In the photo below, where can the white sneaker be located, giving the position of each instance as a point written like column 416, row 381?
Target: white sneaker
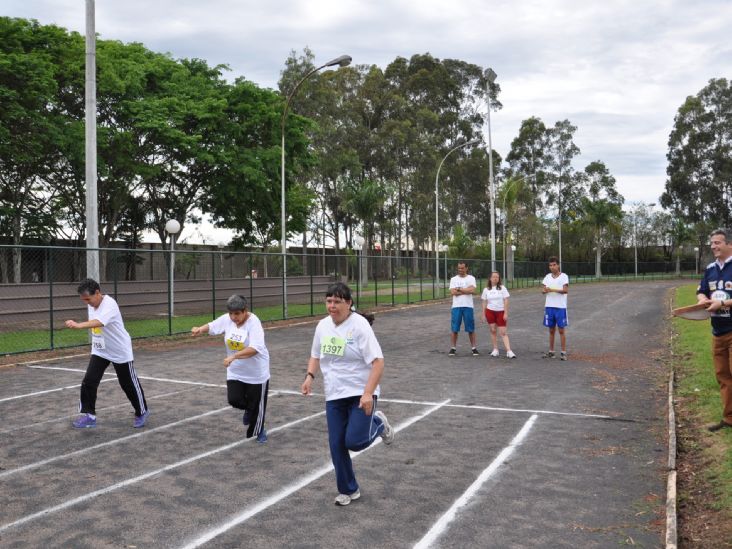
column 510, row 354
column 387, row 435
column 495, row 352
column 345, row 499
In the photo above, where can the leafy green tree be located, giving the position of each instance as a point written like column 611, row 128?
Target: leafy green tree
column 30, row 127
column 244, row 194
column 699, row 184
column 530, row 156
column 460, row 244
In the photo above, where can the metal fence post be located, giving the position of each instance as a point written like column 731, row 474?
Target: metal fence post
column 376, row 288
column 311, row 294
column 213, row 286
column 49, row 253
column 251, row 284
column 170, row 295
column 421, row 297
column 114, row 270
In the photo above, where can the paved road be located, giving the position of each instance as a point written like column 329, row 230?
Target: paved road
column 570, row 480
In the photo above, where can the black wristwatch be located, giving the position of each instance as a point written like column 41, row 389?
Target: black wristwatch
column 309, row 374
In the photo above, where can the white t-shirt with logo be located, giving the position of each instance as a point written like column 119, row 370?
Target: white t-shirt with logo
column 111, row 341
column 255, row 369
column 554, row 299
column 466, row 281
column 346, row 352
column 494, row 298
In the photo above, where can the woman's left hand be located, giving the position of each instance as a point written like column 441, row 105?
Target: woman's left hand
column 367, row 403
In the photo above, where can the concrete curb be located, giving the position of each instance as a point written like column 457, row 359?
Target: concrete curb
column 671, row 510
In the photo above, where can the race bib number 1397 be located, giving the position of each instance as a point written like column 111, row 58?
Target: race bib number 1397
column 335, row 346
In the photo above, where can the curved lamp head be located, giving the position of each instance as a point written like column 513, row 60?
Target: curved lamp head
column 172, row 227
column 490, row 75
column 342, row 61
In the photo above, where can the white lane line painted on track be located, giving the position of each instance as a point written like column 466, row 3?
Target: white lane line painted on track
column 291, row 489
column 144, row 476
column 103, row 409
column 444, row 521
column 36, row 393
column 41, row 463
column 150, row 378
column 62, row 369
column 391, row 400
column 496, row 409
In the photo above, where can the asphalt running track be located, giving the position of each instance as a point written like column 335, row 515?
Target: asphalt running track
column 489, row 452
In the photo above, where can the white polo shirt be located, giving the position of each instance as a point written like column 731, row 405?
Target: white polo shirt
column 466, row 281
column 255, row 369
column 494, row 298
column 554, row 299
column 346, row 352
column 111, row 341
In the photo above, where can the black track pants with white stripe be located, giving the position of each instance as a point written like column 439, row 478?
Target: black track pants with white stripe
column 126, row 376
column 251, row 397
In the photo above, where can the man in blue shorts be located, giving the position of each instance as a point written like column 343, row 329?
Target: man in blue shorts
column 462, row 288
column 556, row 287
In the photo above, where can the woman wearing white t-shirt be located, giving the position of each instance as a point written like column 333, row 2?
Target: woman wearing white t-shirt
column 345, row 350
column 495, row 305
column 247, row 362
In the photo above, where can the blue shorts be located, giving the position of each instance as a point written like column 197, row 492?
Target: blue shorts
column 554, row 316
column 464, row 315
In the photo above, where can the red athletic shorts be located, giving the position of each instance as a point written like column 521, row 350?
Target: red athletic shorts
column 495, row 317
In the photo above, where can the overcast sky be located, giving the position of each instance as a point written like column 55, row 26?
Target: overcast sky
column 618, row 69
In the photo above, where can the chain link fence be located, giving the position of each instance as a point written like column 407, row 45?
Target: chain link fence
column 38, row 285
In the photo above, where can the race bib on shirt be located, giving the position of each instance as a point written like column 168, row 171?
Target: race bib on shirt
column 235, row 343
column 97, row 339
column 718, row 295
column 335, row 346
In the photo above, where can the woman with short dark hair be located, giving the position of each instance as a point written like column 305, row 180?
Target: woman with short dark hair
column 345, row 350
column 247, row 362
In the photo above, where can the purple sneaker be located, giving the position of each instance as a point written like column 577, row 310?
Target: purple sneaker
column 245, row 418
column 84, row 421
column 140, row 420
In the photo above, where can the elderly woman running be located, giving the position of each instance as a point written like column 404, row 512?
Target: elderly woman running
column 346, row 351
column 247, row 362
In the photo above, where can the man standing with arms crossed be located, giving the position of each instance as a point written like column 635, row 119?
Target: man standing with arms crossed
column 556, row 287
column 462, row 288
column 715, row 290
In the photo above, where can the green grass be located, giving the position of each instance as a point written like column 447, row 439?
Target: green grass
column 378, row 292
column 698, row 386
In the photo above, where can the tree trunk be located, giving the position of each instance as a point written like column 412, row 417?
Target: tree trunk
column 4, row 273
column 598, row 260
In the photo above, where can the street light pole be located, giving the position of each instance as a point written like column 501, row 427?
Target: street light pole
column 437, row 204
column 358, row 243
column 490, row 75
column 172, row 227
column 90, row 117
column 342, row 61
column 635, row 242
